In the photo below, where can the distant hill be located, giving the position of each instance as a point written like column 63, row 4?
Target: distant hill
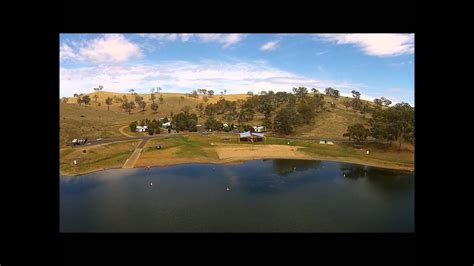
column 93, row 121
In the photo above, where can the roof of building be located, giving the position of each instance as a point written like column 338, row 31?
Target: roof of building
column 245, row 134
column 258, row 134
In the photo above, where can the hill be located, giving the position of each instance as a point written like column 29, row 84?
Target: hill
column 94, row 121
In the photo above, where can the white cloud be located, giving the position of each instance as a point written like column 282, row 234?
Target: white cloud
column 183, row 76
column 109, row 48
column 375, row 44
column 269, row 46
column 226, row 40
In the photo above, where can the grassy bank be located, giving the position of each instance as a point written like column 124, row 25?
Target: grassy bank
column 95, row 158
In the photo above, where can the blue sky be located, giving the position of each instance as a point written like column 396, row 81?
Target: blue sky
column 375, row 64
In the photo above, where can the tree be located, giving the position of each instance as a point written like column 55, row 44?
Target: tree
column 357, row 133
column 161, row 98
column 200, row 109
column 395, row 123
column 133, row 126
column 64, row 99
column 152, row 97
column 76, row 95
column 213, row 124
column 283, row 122
column 132, row 91
column 142, row 105
column 194, row 94
column 95, row 97
column 301, row 93
column 108, row 101
column 86, row 99
column 225, row 91
column 154, row 107
column 210, row 93
column 378, row 102
column 386, row 102
column 314, row 90
column 250, row 93
column 205, row 99
column 101, row 87
column 185, row 121
column 79, row 100
column 332, row 93
column 306, row 112
column 356, row 102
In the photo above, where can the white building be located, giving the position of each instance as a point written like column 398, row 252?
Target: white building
column 141, row 128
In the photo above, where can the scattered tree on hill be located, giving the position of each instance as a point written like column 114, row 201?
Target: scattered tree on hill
column 64, row 99
column 356, row 102
column 79, row 100
column 210, row 93
column 250, row 93
column 108, row 101
column 154, row 107
column 194, row 94
column 347, row 104
column 76, row 95
column 386, row 102
column 284, row 120
column 128, row 106
column 306, row 112
column 101, row 87
column 200, row 109
column 140, row 102
column 95, row 97
column 395, row 123
column 378, row 102
column 161, row 98
column 152, row 97
column 301, row 93
column 332, row 93
column 86, row 99
column 314, row 90
column 225, row 91
column 357, row 133
column 132, row 91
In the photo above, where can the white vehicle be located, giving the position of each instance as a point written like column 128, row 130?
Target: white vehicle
column 74, row 141
column 99, row 139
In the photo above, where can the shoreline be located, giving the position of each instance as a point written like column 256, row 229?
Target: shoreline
column 383, row 165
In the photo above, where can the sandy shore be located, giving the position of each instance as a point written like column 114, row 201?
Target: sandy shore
column 232, row 154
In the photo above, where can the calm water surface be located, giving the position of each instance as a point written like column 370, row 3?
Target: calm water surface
column 263, row 196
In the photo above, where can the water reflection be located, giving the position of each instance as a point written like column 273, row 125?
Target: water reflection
column 380, row 180
column 287, row 167
column 353, row 171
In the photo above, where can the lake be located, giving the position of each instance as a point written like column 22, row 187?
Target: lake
column 263, row 196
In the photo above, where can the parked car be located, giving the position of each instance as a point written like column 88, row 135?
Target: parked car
column 99, row 139
column 79, row 141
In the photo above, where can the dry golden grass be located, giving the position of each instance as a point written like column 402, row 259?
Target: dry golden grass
column 95, row 158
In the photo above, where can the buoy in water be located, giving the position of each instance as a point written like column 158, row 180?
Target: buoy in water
column 151, row 183
column 228, row 189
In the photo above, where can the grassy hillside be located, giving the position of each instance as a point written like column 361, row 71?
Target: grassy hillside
column 98, row 122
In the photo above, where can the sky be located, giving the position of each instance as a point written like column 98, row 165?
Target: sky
column 377, row 65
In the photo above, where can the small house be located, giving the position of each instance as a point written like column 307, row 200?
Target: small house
column 141, row 128
column 247, row 136
column 166, row 125
column 259, row 128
